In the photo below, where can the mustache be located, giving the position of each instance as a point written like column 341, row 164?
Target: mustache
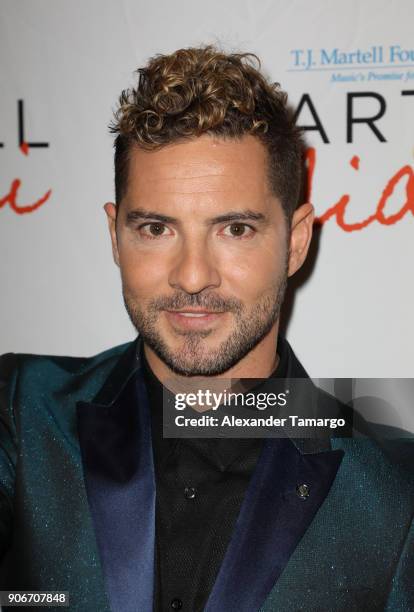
column 209, row 301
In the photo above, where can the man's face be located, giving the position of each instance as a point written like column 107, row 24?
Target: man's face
column 202, row 246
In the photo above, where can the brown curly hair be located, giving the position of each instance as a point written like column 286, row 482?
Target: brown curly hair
column 202, row 90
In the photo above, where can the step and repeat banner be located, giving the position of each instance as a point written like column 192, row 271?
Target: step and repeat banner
column 349, row 71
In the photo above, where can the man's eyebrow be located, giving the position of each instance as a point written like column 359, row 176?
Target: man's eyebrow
column 141, row 213
column 245, row 215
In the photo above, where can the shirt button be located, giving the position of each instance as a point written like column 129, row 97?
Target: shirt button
column 303, row 491
column 176, row 604
column 190, row 493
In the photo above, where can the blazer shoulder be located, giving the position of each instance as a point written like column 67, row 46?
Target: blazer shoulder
column 46, row 375
column 380, row 453
column 8, row 374
column 383, row 467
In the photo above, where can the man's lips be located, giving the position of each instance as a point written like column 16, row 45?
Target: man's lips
column 191, row 318
column 198, row 312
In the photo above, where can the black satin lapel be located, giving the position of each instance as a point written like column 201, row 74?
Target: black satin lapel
column 116, row 449
column 272, row 520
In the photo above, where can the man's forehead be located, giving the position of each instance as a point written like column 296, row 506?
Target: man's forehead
column 203, row 164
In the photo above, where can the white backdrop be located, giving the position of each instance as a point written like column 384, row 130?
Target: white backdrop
column 68, row 61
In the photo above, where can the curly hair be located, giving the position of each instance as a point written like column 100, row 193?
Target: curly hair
column 202, row 90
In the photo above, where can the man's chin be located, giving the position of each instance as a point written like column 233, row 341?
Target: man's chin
column 187, row 361
column 189, row 355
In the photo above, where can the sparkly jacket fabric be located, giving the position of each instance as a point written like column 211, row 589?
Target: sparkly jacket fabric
column 77, row 501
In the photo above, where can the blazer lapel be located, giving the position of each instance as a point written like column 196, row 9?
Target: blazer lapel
column 273, row 518
column 115, row 440
column 276, row 511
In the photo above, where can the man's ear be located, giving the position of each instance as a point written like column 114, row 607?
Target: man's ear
column 300, row 236
column 111, row 212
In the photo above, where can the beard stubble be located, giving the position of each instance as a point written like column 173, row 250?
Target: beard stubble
column 192, row 358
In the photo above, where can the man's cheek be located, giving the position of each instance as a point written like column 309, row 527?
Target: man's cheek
column 249, row 277
column 142, row 271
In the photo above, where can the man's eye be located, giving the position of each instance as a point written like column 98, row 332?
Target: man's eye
column 238, row 230
column 153, row 230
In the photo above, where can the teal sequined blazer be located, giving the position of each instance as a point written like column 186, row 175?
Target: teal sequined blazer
column 77, row 501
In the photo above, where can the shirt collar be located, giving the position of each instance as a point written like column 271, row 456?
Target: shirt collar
column 221, row 452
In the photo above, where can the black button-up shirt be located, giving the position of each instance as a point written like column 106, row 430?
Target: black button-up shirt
column 200, row 485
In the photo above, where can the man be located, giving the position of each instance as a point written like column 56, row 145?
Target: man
column 206, row 229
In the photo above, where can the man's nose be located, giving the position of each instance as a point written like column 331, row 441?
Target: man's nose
column 195, row 269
